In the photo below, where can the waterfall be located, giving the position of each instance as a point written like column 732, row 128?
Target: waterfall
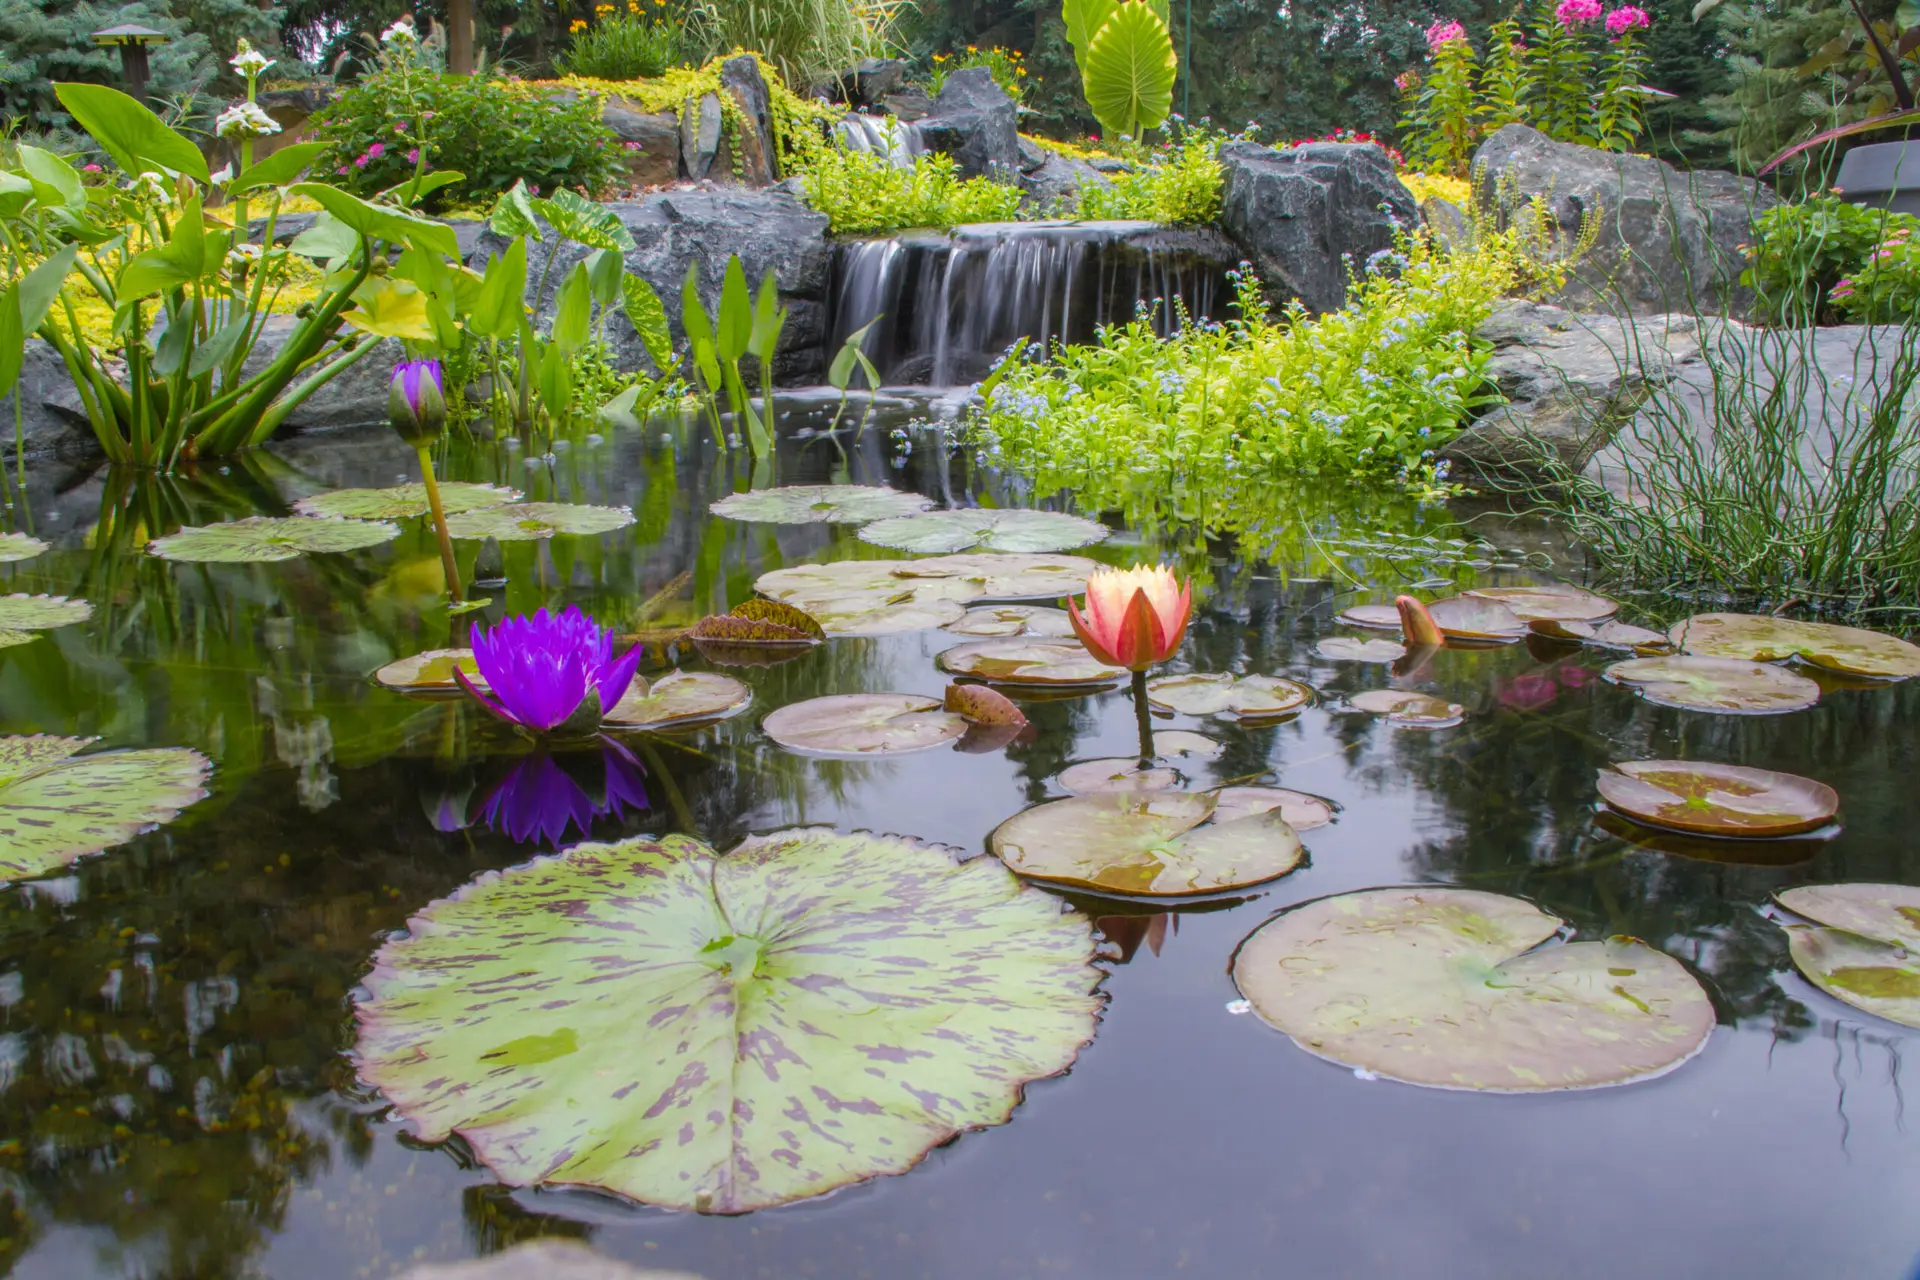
column 950, row 303
column 884, row 136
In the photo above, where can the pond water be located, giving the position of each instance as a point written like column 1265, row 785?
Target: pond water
column 175, row 1099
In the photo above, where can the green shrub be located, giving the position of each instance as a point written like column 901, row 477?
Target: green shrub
column 493, row 130
column 1803, row 253
column 42, row 41
column 1887, row 289
column 864, row 194
column 1180, row 184
column 626, row 46
column 1008, row 67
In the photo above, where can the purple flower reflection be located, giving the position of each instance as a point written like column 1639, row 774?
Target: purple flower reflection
column 540, row 669
column 539, row 800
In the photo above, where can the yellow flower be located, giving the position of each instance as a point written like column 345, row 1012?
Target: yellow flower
column 579, row 25
column 973, row 48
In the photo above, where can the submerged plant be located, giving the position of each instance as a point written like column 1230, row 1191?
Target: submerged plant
column 549, row 673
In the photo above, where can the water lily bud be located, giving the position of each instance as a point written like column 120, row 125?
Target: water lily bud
column 416, row 401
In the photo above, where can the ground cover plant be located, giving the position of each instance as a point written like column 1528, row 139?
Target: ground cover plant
column 1826, row 260
column 866, row 194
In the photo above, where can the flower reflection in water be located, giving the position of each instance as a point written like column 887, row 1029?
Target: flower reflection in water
column 539, row 800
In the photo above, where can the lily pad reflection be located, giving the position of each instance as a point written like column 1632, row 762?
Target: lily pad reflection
column 264, row 539
column 1158, row 844
column 1863, row 947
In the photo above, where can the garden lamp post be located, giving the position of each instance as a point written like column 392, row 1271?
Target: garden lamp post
column 132, row 41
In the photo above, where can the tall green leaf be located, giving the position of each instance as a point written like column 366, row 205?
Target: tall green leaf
column 735, row 330
column 501, row 304
column 693, row 315
column 282, row 167
column 1083, row 19
column 840, row 372
column 131, row 134
column 649, row 320
column 572, row 310
column 183, row 259
column 379, row 221
column 1129, row 71
column 56, row 184
column 512, row 214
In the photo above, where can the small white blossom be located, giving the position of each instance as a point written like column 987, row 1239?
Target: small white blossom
column 222, row 176
column 401, row 31
column 249, row 62
column 247, row 120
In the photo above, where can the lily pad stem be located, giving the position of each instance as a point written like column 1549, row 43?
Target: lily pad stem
column 1143, row 718
column 440, row 525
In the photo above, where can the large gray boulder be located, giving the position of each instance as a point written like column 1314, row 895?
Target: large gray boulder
column 1050, row 183
column 750, row 158
column 649, row 141
column 974, row 121
column 1668, row 241
column 1304, row 214
column 52, row 424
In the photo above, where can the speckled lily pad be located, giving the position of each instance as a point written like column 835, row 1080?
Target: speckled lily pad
column 1451, row 988
column 1014, row 620
column 1228, row 696
column 1350, row 649
column 1864, row 947
column 677, row 698
column 1853, row 650
column 20, row 546
column 1035, row 662
column 1725, row 685
column 1153, row 844
column 263, row 539
column 1409, row 709
column 1717, row 799
column 528, row 521
column 404, row 501
column 57, row 805
column 41, row 613
column 947, row 532
column 864, row 724
column 819, row 504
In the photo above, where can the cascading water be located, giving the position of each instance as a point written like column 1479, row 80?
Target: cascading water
column 948, row 305
column 896, row 140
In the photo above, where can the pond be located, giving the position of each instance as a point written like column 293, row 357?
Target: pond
column 176, row 1098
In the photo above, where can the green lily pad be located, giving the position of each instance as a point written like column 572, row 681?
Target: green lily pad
column 1471, row 618
column 820, row 504
column 1450, row 988
column 1717, row 799
column 1036, row 662
column 1004, row 575
column 526, row 521
column 677, row 698
column 1373, row 617
column 1303, row 812
column 1014, row 620
column 263, row 539
column 864, row 724
column 1175, row 752
column 1716, row 684
column 404, row 501
column 1868, row 952
column 1153, row 844
column 57, row 805
column 1349, row 649
column 1565, row 604
column 10, row 638
column 20, row 546
column 430, row 672
column 1606, row 635
column 601, row 1018
column 1408, row 709
column 1853, row 650
column 41, row 613
column 1227, row 696
column 945, row 532
column 886, row 597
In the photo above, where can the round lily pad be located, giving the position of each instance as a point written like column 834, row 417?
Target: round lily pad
column 262, row 539
column 864, row 724
column 1038, row 662
column 866, row 597
column 819, row 504
column 1153, row 844
column 404, row 501
column 1717, row 799
column 526, row 521
column 1725, row 685
column 1611, row 634
column 430, row 672
column 1566, row 604
column 1003, row 576
column 1120, row 773
column 1409, row 709
column 1853, row 650
column 1349, row 649
column 946, row 532
column 677, row 698
column 1228, row 696
column 1374, row 617
column 603, row 1018
column 10, row 638
column 41, row 613
column 1013, row 620
column 1451, row 988
column 20, row 546
column 57, row 805
column 1863, row 947
column 1302, row 811
column 1472, row 618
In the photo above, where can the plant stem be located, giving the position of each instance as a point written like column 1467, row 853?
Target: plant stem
column 1143, row 718
column 440, row 524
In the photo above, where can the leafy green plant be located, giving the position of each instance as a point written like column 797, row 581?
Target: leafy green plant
column 624, row 46
column 808, row 40
column 1007, row 66
column 744, row 325
column 1127, row 63
column 864, row 194
column 1180, row 182
column 1801, row 253
column 1443, row 119
column 42, row 41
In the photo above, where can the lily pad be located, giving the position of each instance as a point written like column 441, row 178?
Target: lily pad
column 41, row 613
column 819, row 504
column 1612, row 634
column 527, row 521
column 761, row 622
column 1175, row 752
column 1853, row 650
column 864, row 724
column 404, row 501
column 1565, row 604
column 1155, row 844
column 1868, row 952
column 1303, row 812
column 946, row 532
column 1349, row 649
column 1374, row 617
column 20, row 546
column 57, row 805
column 1037, row 662
column 1716, row 684
column 263, row 539
column 430, row 672
column 677, row 698
column 1004, row 576
column 1409, row 709
column 1471, row 618
column 726, row 1032
column 1450, row 988
column 1014, row 620
column 1228, row 696
column 1717, row 799
column 866, row 598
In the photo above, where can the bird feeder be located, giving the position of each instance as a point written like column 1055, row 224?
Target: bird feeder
column 132, row 41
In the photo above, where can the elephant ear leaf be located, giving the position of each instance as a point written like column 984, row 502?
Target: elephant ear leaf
column 1129, row 71
column 1083, row 19
column 649, row 320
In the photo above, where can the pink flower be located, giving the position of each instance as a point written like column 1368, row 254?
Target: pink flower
column 89, row 168
column 1575, row 13
column 1626, row 19
column 399, row 128
column 379, row 149
column 413, row 156
column 1445, row 33
column 360, row 162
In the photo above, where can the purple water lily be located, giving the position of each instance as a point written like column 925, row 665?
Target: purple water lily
column 417, row 400
column 548, row 673
column 539, row 800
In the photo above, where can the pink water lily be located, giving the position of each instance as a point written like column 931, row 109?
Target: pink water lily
column 549, row 673
column 1134, row 617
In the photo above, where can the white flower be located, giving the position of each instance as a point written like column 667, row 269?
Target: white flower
column 149, row 186
column 400, row 31
column 247, row 120
column 249, row 62
column 222, row 176
column 246, row 253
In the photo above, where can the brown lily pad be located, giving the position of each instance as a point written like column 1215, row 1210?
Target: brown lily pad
column 1780, row 851
column 983, row 706
column 1474, row 619
column 1717, row 799
column 1409, row 709
column 1560, row 603
column 1863, row 947
column 864, row 724
column 1153, row 844
column 1725, row 685
column 1227, row 696
column 1028, row 662
column 1757, row 638
column 1350, row 649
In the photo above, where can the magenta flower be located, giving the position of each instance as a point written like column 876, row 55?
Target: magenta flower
column 413, row 156
column 1626, row 19
column 379, row 149
column 1441, row 34
column 539, row 800
column 1576, row 13
column 549, row 672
